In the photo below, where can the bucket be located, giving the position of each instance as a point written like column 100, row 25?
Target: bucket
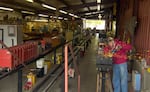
column 48, row 63
column 40, row 63
column 45, row 68
column 40, row 72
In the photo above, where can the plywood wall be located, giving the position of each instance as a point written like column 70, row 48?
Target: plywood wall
column 142, row 31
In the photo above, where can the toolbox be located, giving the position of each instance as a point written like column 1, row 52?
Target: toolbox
column 5, row 59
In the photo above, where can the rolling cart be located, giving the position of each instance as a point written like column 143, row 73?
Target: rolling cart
column 104, row 66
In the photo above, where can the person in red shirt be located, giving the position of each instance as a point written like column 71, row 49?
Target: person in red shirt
column 118, row 51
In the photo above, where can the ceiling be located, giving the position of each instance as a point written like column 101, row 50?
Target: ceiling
column 81, row 8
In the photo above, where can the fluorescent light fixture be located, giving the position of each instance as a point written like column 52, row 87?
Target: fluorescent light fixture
column 71, row 14
column 98, row 7
column 75, row 16
column 60, row 17
column 64, row 12
column 30, row 1
column 55, row 17
column 49, row 7
column 65, row 18
column 7, row 9
column 42, row 15
column 41, row 20
column 83, row 18
column 98, row 1
column 87, row 13
column 95, row 12
column 27, row 12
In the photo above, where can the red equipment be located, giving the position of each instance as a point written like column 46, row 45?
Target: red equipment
column 14, row 56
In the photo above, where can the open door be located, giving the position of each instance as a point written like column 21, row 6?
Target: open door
column 1, row 37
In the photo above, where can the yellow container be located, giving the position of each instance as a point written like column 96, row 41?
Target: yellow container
column 49, row 64
column 59, row 59
column 31, row 78
column 148, row 70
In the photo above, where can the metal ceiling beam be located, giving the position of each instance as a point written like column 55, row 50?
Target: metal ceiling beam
column 96, row 14
column 85, row 5
column 104, row 9
column 80, row 6
column 12, row 3
column 85, row 12
column 26, row 7
column 92, row 17
column 64, row 2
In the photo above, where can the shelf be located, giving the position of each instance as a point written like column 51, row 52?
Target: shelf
column 4, row 74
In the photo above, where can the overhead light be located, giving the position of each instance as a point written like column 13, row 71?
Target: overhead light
column 83, row 18
column 60, row 17
column 27, row 12
column 41, row 20
column 64, row 12
column 7, row 9
column 87, row 13
column 65, row 18
column 71, row 14
column 95, row 12
column 98, row 7
column 42, row 15
column 98, row 1
column 30, row 1
column 99, row 16
column 49, row 7
column 75, row 16
column 55, row 17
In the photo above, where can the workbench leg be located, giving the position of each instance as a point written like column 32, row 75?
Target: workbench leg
column 99, row 82
column 103, row 82
column 107, row 83
column 97, row 87
column 110, row 83
column 54, row 56
column 20, row 80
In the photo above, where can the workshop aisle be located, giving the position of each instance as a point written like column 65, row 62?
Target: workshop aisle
column 87, row 68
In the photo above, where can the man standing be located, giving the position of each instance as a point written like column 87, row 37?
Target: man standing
column 118, row 51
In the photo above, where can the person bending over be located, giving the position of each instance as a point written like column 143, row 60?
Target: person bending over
column 118, row 51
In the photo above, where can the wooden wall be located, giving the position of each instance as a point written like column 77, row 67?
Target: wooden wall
column 141, row 10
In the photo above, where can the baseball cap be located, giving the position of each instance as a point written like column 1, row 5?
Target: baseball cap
column 109, row 39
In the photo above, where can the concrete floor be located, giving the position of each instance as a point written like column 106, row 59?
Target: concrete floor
column 87, row 67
